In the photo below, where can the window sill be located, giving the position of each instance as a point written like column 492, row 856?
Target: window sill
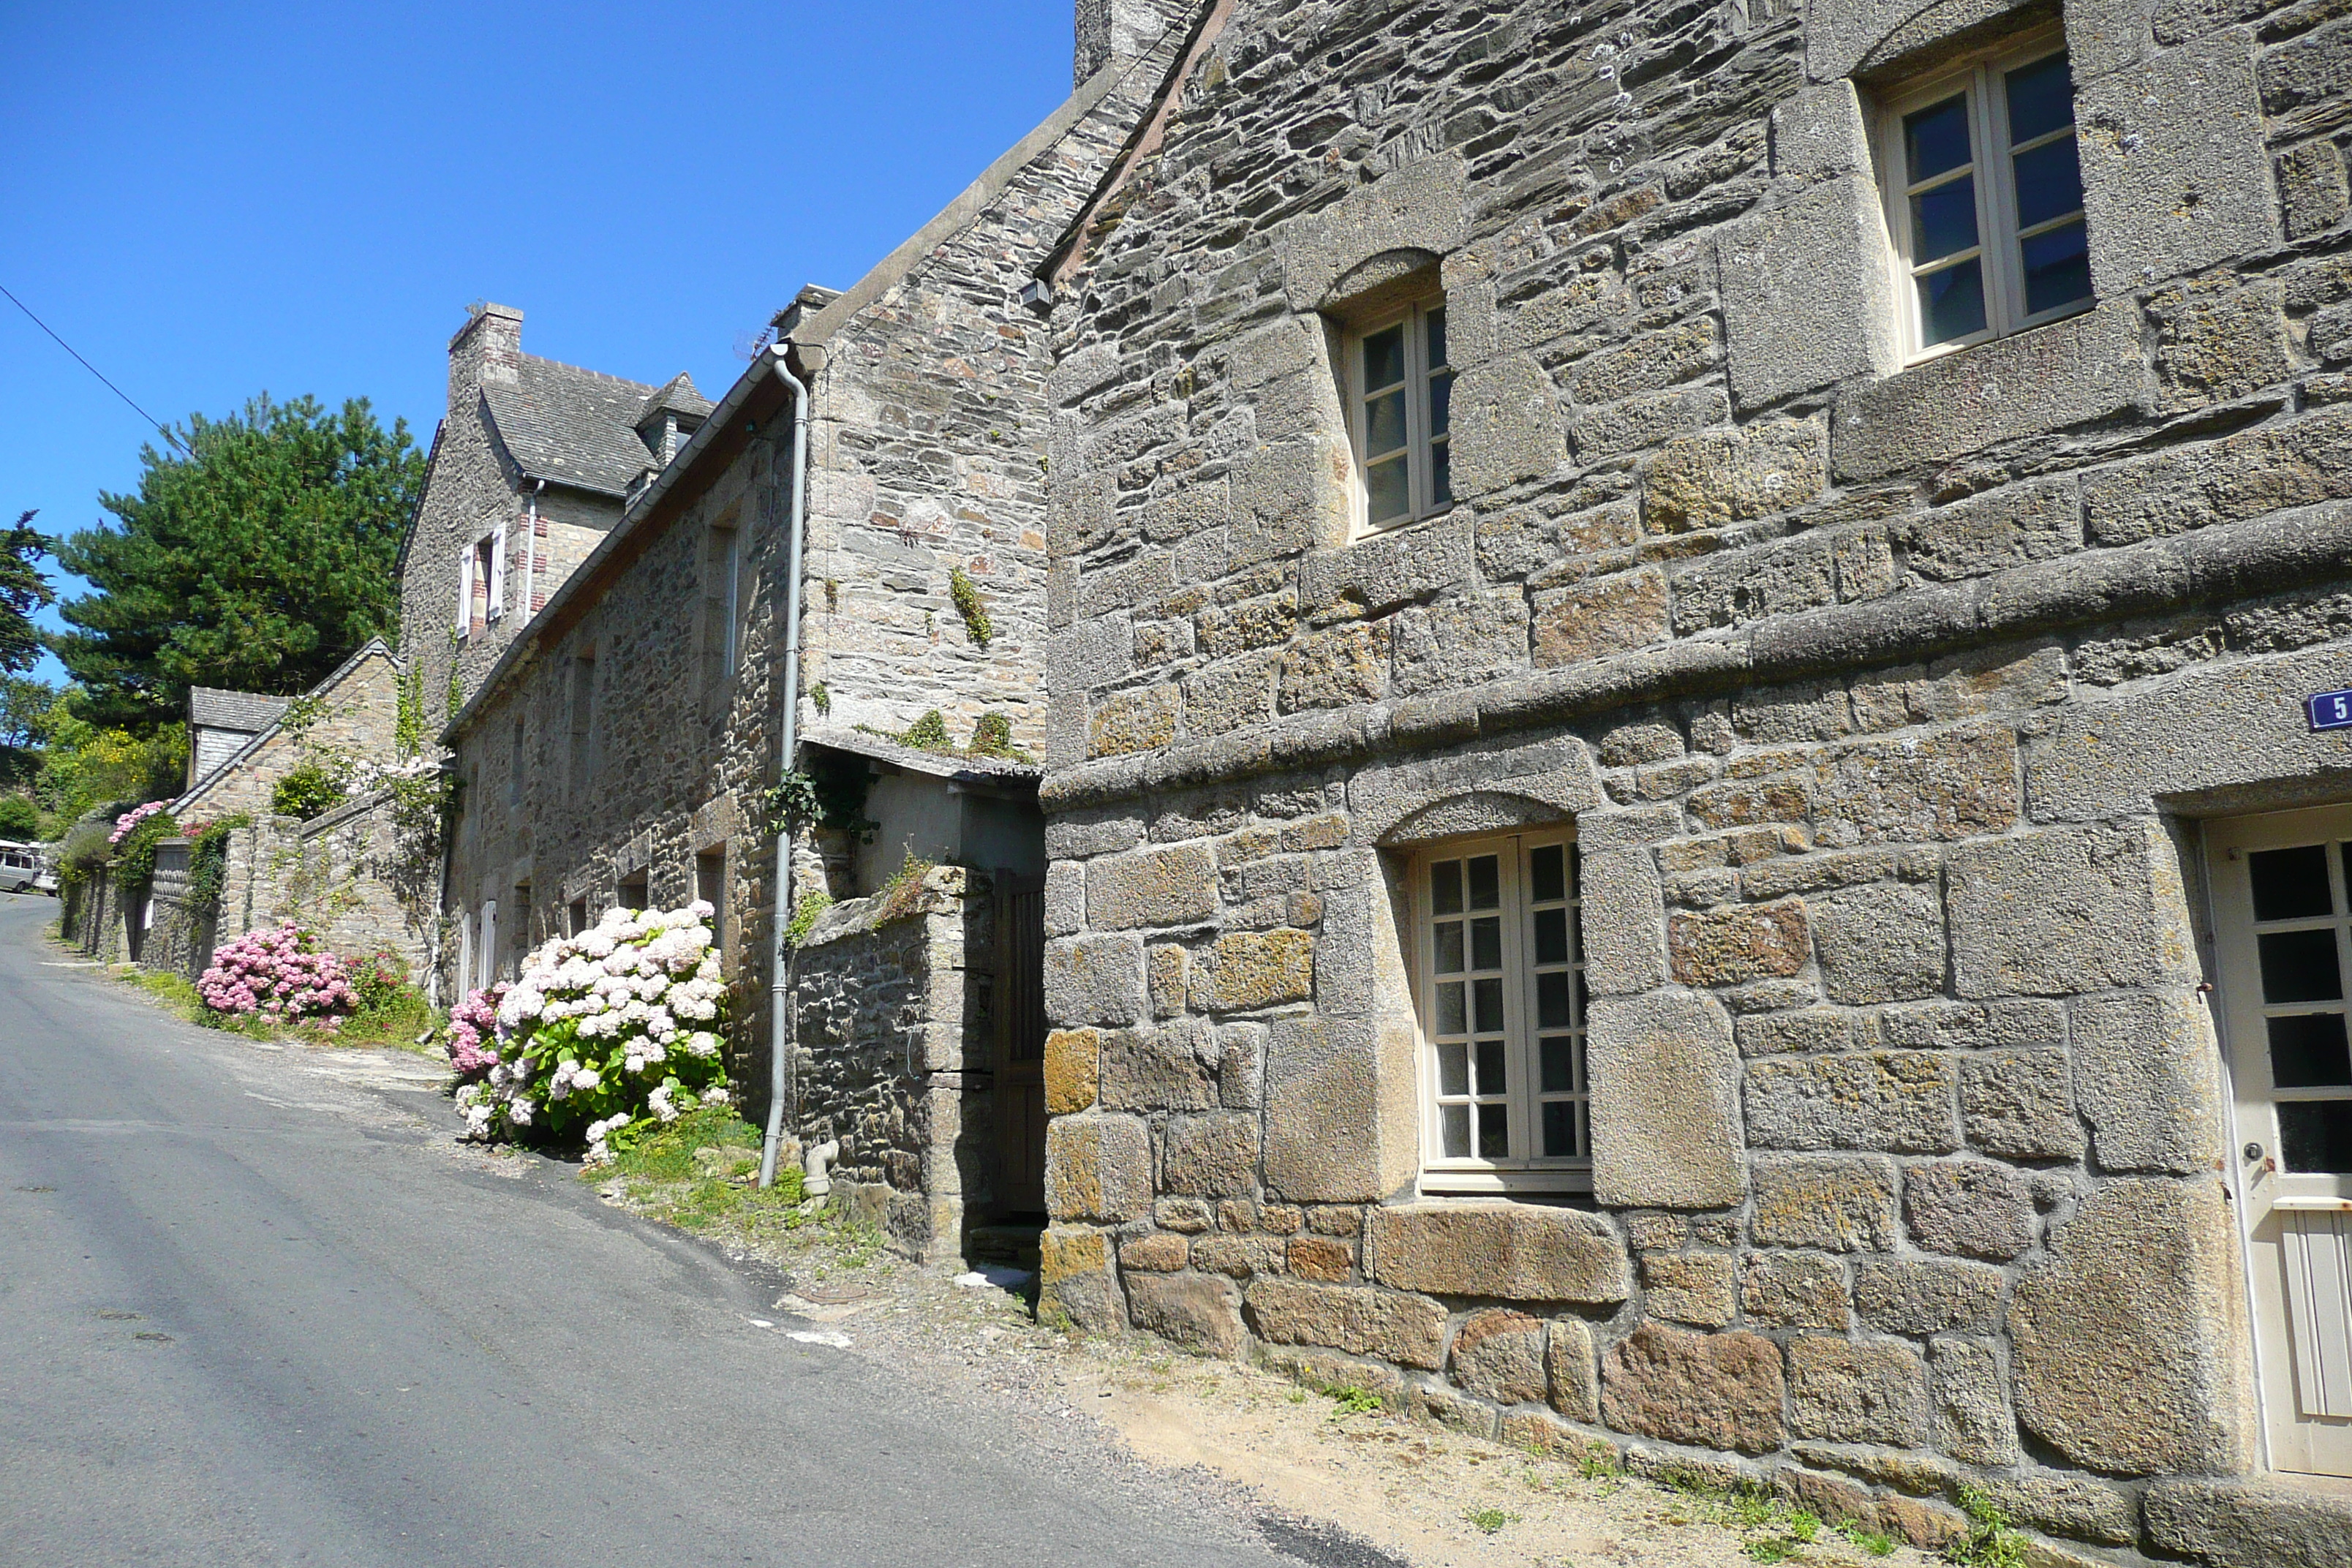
column 1980, row 340
column 2084, row 368
column 1557, row 1182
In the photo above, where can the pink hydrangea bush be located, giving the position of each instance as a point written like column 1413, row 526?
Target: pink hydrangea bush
column 281, row 975
column 132, row 818
column 473, row 1033
column 607, row 1033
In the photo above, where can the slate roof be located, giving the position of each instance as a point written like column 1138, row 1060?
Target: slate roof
column 248, row 712
column 938, row 765
column 579, row 427
column 677, row 393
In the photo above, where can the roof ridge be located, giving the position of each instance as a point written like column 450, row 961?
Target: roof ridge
column 584, row 370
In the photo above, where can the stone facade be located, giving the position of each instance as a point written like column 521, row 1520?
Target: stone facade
column 351, row 875
column 1880, row 701
column 359, row 718
column 893, row 1060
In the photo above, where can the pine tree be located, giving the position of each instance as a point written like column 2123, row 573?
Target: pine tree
column 258, row 558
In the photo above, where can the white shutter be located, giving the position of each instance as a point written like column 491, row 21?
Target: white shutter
column 489, row 963
column 465, row 954
column 465, row 590
column 498, row 573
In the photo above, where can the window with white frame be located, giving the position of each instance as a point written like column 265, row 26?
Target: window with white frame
column 1501, row 997
column 1400, row 391
column 1984, row 198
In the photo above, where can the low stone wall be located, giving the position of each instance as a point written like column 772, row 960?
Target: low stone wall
column 93, row 917
column 887, row 994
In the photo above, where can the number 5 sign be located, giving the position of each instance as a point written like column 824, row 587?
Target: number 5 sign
column 2330, row 710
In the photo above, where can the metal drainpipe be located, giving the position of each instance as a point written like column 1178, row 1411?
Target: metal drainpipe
column 529, row 551
column 778, row 986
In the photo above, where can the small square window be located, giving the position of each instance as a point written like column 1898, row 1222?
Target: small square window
column 1399, row 408
column 1984, row 199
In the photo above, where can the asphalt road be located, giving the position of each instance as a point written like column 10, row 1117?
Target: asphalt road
column 252, row 1312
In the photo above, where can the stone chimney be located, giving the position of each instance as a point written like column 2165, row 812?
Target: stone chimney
column 486, row 351
column 1122, row 30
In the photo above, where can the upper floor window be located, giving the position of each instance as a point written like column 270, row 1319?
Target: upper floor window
column 1502, row 1004
column 481, row 583
column 1985, row 199
column 1400, row 385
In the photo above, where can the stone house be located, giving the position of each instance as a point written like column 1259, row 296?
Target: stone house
column 530, row 465
column 1689, row 801
column 354, row 875
column 622, row 746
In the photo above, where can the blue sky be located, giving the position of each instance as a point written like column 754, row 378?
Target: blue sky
column 211, row 201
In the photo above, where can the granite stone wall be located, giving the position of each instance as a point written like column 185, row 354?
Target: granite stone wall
column 666, row 768
column 359, row 720
column 891, row 1056
column 473, row 487
column 1876, row 698
column 929, row 455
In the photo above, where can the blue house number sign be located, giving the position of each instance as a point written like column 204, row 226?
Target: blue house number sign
column 2330, row 710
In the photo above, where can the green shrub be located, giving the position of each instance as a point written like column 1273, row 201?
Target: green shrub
column 308, row 789
column 84, row 853
column 208, row 859
column 134, row 858
column 928, row 733
column 19, row 818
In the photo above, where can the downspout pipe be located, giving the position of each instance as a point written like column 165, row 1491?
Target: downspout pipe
column 779, row 987
column 530, row 550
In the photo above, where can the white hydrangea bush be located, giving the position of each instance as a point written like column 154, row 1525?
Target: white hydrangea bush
column 606, row 1034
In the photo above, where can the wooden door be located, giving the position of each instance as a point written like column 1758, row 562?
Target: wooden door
column 1020, row 1018
column 2282, row 928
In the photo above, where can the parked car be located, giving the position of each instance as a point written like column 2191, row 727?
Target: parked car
column 25, row 869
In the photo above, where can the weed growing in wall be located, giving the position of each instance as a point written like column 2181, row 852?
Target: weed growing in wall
column 806, row 911
column 972, row 607
column 928, row 733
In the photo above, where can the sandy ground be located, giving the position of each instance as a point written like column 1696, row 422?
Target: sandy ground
column 1408, row 1491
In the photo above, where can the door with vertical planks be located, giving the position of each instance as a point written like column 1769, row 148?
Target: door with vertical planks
column 1019, row 1010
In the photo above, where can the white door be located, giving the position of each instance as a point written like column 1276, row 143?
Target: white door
column 2283, row 927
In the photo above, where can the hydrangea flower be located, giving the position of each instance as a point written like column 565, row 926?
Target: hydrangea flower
column 132, row 818
column 592, row 1039
column 281, row 974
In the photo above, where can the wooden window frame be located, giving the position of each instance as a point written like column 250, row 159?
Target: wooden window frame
column 1524, row 1171
column 1981, row 77
column 1421, row 443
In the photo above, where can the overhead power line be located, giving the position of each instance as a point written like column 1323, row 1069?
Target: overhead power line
column 159, row 428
